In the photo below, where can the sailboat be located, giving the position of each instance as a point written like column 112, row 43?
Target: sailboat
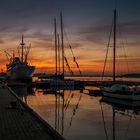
column 119, row 90
column 58, row 79
column 18, row 67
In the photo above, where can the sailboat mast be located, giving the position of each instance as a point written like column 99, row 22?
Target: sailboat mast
column 58, row 52
column 55, row 31
column 114, row 47
column 22, row 45
column 61, row 20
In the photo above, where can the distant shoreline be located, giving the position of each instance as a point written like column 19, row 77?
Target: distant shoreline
column 130, row 75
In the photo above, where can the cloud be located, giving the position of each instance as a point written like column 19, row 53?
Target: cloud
column 41, row 36
column 96, row 33
column 2, row 41
column 131, row 27
column 127, row 33
column 12, row 28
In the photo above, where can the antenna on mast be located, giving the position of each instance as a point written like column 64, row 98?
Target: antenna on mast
column 22, row 45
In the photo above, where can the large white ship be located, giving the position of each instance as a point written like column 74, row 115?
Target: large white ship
column 18, row 67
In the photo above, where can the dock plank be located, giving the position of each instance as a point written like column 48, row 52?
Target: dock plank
column 19, row 123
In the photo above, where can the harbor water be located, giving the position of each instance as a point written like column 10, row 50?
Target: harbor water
column 77, row 115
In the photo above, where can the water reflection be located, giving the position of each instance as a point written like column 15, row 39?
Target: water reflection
column 125, row 108
column 60, row 104
column 76, row 115
column 23, row 91
column 59, row 111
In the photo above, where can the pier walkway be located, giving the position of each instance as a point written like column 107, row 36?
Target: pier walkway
column 19, row 122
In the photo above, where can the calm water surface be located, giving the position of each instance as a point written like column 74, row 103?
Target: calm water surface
column 76, row 115
column 105, row 78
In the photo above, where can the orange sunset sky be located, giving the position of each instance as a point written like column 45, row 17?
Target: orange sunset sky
column 86, row 28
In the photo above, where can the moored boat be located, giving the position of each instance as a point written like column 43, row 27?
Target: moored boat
column 18, row 67
column 58, row 79
column 120, row 91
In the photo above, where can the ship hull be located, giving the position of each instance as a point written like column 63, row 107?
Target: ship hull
column 20, row 72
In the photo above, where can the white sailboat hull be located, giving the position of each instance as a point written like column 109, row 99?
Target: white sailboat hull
column 130, row 95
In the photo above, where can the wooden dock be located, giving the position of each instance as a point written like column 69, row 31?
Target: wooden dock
column 20, row 122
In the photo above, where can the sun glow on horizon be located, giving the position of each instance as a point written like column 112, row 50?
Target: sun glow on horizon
column 90, row 61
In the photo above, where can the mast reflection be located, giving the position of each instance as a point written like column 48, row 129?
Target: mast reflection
column 60, row 105
column 127, row 108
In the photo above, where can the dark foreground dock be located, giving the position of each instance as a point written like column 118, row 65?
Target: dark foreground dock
column 19, row 122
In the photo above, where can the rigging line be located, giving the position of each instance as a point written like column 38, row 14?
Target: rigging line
column 75, row 109
column 68, row 102
column 121, row 36
column 68, row 99
column 18, row 51
column 104, row 124
column 51, row 35
column 51, row 48
column 49, row 41
column 66, row 36
column 27, row 53
column 71, row 50
column 74, row 59
column 108, row 45
column 68, row 66
column 30, row 61
column 31, row 54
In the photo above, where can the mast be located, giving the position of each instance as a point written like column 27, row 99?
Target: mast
column 114, row 47
column 61, row 20
column 55, row 31
column 58, row 52
column 22, row 45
